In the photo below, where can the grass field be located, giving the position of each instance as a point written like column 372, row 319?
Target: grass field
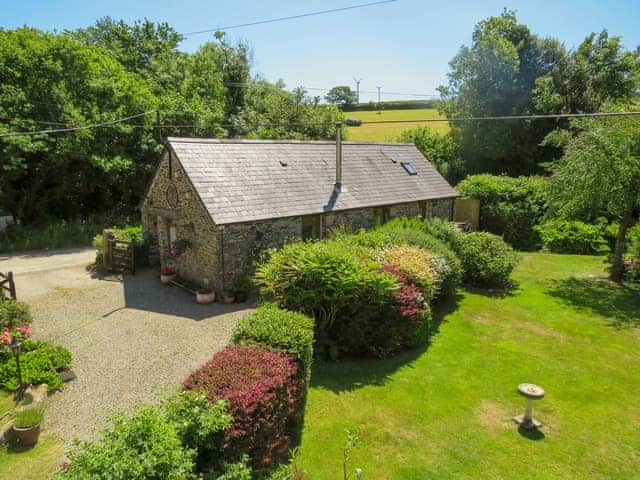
column 390, row 132
column 445, row 411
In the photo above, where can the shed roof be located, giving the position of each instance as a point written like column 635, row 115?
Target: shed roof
column 248, row 180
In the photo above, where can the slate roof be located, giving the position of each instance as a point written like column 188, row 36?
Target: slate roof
column 247, row 180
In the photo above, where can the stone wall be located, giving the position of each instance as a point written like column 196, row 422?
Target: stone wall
column 224, row 253
column 440, row 208
column 190, row 220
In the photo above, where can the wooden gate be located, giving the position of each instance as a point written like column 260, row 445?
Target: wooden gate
column 7, row 284
column 118, row 255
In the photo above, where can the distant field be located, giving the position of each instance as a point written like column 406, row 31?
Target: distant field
column 390, row 132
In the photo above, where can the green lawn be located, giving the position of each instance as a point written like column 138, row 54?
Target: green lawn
column 31, row 463
column 444, row 411
column 390, row 132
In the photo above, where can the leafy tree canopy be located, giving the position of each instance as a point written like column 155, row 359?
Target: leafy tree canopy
column 342, row 95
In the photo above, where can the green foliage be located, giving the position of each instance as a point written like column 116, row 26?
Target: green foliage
column 572, row 236
column 599, row 174
column 342, row 95
column 29, row 417
column 391, row 105
column 404, row 231
column 487, row 260
column 236, row 471
column 439, row 149
column 443, row 230
column 143, row 445
column 60, row 356
column 634, row 240
column 326, row 281
column 199, row 424
column 508, row 70
column 273, row 327
column 509, row 206
column 36, row 366
column 13, row 313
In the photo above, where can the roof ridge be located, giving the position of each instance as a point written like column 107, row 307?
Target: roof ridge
column 278, row 141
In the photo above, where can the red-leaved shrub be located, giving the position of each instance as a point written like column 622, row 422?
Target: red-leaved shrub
column 263, row 388
column 410, row 297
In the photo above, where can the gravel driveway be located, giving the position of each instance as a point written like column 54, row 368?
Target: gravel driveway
column 132, row 339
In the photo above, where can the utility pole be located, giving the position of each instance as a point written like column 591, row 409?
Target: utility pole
column 379, row 96
column 357, row 80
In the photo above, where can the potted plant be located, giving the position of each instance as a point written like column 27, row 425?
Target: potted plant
column 205, row 295
column 167, row 273
column 180, row 245
column 228, row 297
column 241, row 287
column 26, row 425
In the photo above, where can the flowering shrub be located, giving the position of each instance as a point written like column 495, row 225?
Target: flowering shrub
column 13, row 314
column 416, row 263
column 21, row 332
column 263, row 388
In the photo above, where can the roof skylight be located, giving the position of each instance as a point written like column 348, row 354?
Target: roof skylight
column 409, row 168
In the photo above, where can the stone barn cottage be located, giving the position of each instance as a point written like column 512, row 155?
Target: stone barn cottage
column 229, row 199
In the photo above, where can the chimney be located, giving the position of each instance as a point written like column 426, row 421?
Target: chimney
column 338, row 155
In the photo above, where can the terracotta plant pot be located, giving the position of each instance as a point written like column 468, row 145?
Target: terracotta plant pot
column 27, row 437
column 167, row 278
column 205, row 297
column 228, row 297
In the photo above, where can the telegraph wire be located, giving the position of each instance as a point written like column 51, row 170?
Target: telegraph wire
column 291, row 17
column 80, row 127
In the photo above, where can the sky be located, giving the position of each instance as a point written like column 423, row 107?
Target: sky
column 404, row 46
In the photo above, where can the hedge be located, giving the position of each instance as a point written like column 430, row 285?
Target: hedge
column 263, row 388
column 273, row 327
column 567, row 236
column 509, row 206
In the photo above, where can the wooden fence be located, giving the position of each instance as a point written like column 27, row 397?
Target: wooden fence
column 7, row 284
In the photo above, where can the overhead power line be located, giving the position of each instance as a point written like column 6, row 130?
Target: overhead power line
column 508, row 117
column 79, row 127
column 291, row 17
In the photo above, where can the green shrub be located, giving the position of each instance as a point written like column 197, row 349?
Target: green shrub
column 235, row 471
column 443, row 230
column 199, row 423
column 273, row 327
column 13, row 314
column 332, row 283
column 143, row 445
column 509, row 206
column 487, row 260
column 571, row 236
column 633, row 239
column 29, row 417
column 38, row 362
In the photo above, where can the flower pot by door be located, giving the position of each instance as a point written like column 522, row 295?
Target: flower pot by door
column 205, row 297
column 27, row 437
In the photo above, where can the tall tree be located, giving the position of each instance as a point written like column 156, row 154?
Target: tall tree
column 598, row 174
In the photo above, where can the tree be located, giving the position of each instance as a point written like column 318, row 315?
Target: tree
column 599, row 71
column 439, row 150
column 599, row 173
column 342, row 96
column 510, row 71
column 54, row 78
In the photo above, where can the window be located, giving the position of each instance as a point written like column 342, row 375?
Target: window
column 409, row 168
column 381, row 215
column 311, row 227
